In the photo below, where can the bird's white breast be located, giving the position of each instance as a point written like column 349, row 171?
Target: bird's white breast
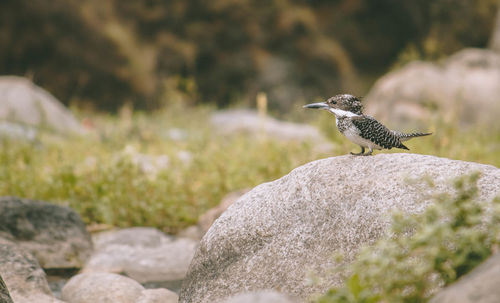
column 352, row 133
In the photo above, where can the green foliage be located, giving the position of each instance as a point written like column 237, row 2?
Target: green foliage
column 424, row 251
column 98, row 174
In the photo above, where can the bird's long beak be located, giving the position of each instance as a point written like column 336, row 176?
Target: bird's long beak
column 320, row 105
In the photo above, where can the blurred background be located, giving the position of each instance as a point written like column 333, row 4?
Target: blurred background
column 150, row 112
column 104, row 54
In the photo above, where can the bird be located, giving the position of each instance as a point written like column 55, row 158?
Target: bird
column 362, row 129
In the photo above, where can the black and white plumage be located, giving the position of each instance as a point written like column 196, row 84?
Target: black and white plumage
column 362, row 129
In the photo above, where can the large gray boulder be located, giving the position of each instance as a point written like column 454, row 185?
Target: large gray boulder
column 465, row 87
column 277, row 234
column 23, row 276
column 108, row 287
column 478, row 286
column 144, row 254
column 23, row 102
column 55, row 235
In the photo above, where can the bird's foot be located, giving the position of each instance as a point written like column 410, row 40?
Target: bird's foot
column 358, row 154
column 369, row 153
column 362, row 153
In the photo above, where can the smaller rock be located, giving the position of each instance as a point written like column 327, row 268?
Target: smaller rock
column 17, row 131
column 144, row 254
column 4, row 292
column 159, row 295
column 55, row 235
column 193, row 232
column 101, row 287
column 23, row 276
column 23, row 102
column 250, row 122
column 108, row 287
column 263, row 296
column 478, row 286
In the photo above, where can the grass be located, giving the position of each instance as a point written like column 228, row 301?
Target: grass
column 98, row 175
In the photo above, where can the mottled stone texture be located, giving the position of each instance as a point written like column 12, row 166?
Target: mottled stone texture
column 479, row 286
column 108, row 287
column 55, row 235
column 263, row 296
column 4, row 292
column 143, row 254
column 23, row 275
column 281, row 231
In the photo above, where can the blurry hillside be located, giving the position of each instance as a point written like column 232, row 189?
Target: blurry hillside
column 107, row 53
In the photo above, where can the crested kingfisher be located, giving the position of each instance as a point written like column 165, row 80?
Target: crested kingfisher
column 362, row 129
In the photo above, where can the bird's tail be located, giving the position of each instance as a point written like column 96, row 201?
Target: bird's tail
column 405, row 137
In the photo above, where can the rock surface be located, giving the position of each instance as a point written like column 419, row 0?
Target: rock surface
column 159, row 295
column 23, row 276
column 478, row 286
column 265, row 296
column 17, row 131
column 143, row 254
column 108, row 287
column 465, row 87
column 54, row 234
column 23, row 102
column 278, row 233
column 206, row 220
column 4, row 292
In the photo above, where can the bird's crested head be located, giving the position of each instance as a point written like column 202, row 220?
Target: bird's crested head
column 346, row 102
column 340, row 105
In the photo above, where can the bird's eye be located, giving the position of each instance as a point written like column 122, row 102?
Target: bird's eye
column 334, row 102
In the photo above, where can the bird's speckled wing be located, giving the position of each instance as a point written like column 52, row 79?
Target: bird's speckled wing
column 374, row 131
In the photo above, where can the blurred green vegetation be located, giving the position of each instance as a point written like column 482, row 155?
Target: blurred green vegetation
column 107, row 53
column 100, row 174
column 424, row 252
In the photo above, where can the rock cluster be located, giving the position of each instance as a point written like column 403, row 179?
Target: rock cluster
column 38, row 237
column 144, row 254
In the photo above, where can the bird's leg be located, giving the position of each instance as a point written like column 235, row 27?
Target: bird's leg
column 362, row 153
column 368, row 153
